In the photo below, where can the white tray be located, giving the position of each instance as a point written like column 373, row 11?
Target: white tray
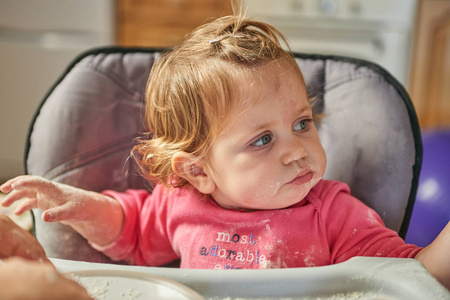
column 358, row 278
column 121, row 284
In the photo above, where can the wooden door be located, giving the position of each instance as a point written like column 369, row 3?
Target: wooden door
column 430, row 77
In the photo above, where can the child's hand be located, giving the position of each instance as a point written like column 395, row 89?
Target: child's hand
column 87, row 212
column 56, row 200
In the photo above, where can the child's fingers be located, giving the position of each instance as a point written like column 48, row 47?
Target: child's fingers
column 49, row 215
column 17, row 195
column 25, row 206
column 7, row 186
column 32, row 182
column 63, row 213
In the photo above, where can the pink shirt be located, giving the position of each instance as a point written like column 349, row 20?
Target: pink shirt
column 327, row 227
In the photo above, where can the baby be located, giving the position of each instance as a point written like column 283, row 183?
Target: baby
column 238, row 167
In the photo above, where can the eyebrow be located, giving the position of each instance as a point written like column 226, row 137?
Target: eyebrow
column 300, row 111
column 304, row 108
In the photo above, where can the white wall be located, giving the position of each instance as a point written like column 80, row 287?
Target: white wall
column 38, row 39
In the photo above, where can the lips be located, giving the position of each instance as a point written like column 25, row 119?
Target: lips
column 302, row 177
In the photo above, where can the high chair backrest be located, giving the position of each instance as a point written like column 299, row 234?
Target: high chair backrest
column 84, row 129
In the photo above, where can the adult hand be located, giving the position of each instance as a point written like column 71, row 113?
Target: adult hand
column 24, row 279
column 435, row 257
column 15, row 241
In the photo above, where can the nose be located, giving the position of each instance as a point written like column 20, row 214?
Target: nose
column 293, row 150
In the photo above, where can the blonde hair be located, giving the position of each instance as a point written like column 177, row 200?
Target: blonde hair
column 193, row 88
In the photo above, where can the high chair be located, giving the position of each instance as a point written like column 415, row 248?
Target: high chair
column 84, row 129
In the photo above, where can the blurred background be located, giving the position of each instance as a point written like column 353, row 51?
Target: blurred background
column 39, row 38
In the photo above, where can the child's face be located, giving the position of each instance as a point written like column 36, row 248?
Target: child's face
column 270, row 156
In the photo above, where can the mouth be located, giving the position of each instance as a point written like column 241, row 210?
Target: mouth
column 302, row 177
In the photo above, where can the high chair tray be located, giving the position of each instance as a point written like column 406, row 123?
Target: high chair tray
column 358, row 278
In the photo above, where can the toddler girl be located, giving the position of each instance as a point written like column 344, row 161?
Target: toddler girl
column 238, row 168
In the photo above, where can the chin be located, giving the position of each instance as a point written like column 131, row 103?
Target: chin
column 295, row 197
column 281, row 204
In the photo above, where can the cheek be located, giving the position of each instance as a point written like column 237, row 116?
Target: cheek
column 251, row 176
column 252, row 163
column 320, row 158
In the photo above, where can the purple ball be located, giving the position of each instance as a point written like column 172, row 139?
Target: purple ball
column 432, row 207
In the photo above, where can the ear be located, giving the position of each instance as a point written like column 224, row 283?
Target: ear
column 191, row 168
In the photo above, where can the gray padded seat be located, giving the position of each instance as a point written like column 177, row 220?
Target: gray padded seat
column 83, row 132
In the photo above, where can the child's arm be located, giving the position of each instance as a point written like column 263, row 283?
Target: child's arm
column 436, row 257
column 95, row 216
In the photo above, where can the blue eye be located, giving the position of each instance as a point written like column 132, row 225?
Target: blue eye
column 262, row 141
column 302, row 125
